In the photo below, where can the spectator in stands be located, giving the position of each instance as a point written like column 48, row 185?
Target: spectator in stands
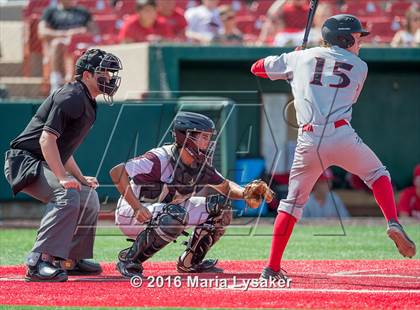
column 288, row 19
column 410, row 35
column 409, row 201
column 144, row 26
column 204, row 22
column 56, row 28
column 230, row 34
column 323, row 11
column 174, row 17
column 323, row 202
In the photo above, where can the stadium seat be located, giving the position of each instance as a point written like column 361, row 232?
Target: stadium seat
column 106, row 23
column 32, row 43
column 34, row 7
column 361, row 8
column 126, row 7
column 380, row 28
column 381, row 32
column 399, row 8
column 246, row 24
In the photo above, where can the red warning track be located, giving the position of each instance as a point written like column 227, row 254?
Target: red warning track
column 348, row 284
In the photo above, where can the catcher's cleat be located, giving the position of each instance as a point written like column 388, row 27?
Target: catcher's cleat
column 45, row 272
column 269, row 274
column 130, row 269
column 405, row 245
column 80, row 267
column 207, row 265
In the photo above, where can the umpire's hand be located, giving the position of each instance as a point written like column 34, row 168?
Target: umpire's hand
column 71, row 182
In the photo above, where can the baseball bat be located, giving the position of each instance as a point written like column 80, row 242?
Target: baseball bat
column 312, row 9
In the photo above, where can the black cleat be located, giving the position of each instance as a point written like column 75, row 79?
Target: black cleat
column 130, row 269
column 268, row 274
column 45, row 272
column 405, row 245
column 207, row 265
column 81, row 267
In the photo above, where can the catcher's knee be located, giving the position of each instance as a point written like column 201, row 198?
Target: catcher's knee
column 166, row 227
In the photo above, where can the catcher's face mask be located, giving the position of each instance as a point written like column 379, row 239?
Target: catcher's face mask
column 199, row 145
column 107, row 78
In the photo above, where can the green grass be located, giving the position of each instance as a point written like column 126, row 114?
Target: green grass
column 361, row 241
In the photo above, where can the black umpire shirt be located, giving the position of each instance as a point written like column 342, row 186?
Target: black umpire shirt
column 68, row 113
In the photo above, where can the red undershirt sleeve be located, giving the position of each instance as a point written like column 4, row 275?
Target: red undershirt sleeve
column 258, row 69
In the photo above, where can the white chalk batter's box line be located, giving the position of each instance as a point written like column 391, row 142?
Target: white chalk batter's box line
column 321, row 290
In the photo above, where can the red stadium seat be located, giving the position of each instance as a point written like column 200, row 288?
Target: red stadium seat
column 246, row 24
column 35, row 7
column 81, row 42
column 380, row 28
column 399, row 8
column 106, row 23
column 126, row 7
column 262, row 7
column 361, row 8
column 32, row 43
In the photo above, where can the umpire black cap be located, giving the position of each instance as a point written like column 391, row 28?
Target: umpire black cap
column 337, row 30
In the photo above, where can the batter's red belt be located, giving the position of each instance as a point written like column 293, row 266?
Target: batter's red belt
column 339, row 123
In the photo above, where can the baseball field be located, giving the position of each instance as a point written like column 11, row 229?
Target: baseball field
column 354, row 268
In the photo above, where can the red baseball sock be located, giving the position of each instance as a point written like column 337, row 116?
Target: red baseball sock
column 283, row 227
column 384, row 196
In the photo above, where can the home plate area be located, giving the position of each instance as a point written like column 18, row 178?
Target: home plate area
column 380, row 284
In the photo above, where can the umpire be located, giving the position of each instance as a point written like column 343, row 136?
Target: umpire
column 40, row 163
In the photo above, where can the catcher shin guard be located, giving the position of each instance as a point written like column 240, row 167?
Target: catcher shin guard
column 205, row 236
column 164, row 228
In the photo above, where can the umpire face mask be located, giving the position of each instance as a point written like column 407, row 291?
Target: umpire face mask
column 107, row 78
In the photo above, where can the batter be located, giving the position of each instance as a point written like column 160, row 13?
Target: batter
column 326, row 81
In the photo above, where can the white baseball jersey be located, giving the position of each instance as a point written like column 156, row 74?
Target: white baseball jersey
column 325, row 81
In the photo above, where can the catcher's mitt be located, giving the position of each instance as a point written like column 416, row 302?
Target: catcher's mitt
column 255, row 192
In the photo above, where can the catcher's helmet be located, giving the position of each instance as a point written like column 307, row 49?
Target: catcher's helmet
column 185, row 127
column 96, row 61
column 337, row 30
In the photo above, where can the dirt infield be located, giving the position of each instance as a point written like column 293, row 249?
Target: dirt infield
column 393, row 284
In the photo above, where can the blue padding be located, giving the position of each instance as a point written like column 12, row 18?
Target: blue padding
column 247, row 170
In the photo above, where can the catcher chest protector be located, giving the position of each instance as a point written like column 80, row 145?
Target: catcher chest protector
column 207, row 234
column 163, row 229
column 337, row 30
column 188, row 179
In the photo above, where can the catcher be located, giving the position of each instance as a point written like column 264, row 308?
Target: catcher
column 164, row 191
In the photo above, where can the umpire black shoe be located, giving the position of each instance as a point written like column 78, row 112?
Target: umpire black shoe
column 81, row 267
column 269, row 274
column 405, row 245
column 45, row 272
column 207, row 265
